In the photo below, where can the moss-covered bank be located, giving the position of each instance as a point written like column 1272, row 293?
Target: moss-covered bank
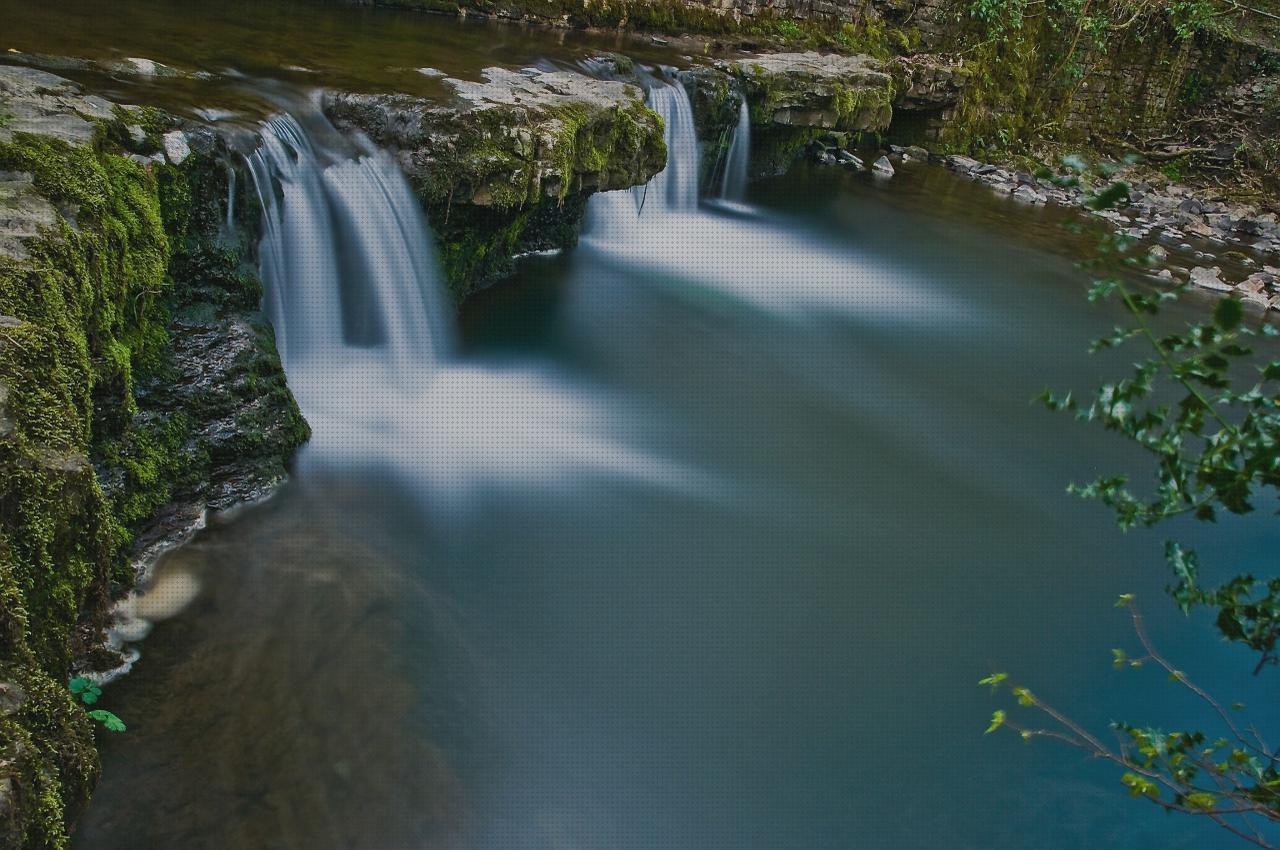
column 93, row 298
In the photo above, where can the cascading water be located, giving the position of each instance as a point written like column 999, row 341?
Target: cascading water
column 662, row 230
column 357, row 300
column 344, row 229
column 734, row 185
column 675, row 188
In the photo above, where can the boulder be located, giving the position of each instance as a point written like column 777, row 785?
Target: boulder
column 963, row 164
column 846, row 158
column 926, row 82
column 515, row 138
column 176, row 149
column 883, row 166
column 851, row 93
column 1209, row 278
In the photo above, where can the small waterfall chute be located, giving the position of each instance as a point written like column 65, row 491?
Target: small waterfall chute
column 733, row 186
column 672, row 190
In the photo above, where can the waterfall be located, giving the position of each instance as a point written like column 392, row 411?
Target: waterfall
column 347, row 259
column 675, row 188
column 354, row 292
column 734, row 185
column 231, row 198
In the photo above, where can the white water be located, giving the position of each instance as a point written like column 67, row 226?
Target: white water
column 726, row 250
column 363, row 326
column 335, row 219
column 738, row 159
column 674, row 189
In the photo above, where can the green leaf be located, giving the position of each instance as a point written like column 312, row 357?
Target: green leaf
column 85, row 688
column 1201, row 800
column 109, row 721
column 1140, row 786
column 994, row 680
column 997, row 720
column 1228, row 313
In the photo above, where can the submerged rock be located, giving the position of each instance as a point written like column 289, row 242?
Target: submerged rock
column 1209, row 278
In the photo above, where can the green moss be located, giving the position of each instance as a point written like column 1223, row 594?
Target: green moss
column 867, row 35
column 503, row 191
column 1040, row 81
column 479, row 244
column 83, row 461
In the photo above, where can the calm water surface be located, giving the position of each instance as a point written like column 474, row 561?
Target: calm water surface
column 775, row 648
column 302, row 42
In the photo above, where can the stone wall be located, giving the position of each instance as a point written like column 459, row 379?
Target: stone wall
column 1140, row 87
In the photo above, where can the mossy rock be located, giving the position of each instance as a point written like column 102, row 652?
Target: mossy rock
column 811, row 90
column 506, row 166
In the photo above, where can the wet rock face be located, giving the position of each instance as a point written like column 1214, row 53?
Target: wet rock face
column 48, row 105
column 812, row 90
column 515, row 138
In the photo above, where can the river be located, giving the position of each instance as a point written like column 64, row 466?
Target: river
column 698, row 536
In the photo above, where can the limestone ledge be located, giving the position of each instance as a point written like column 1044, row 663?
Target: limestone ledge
column 506, row 166
column 831, row 92
column 515, row 138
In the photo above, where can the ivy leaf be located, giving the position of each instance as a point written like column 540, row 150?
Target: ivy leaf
column 109, row 721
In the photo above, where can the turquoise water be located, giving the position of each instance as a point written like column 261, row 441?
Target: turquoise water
column 773, row 643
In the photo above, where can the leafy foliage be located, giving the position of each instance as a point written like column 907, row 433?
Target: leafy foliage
column 1205, row 407
column 87, row 692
